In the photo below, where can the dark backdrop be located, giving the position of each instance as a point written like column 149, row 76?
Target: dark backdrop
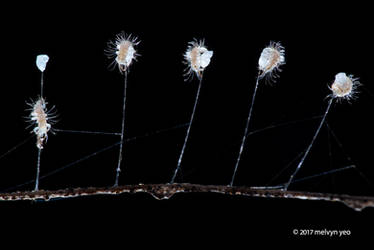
column 319, row 43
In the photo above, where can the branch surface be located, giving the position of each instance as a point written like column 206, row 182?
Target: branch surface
column 166, row 191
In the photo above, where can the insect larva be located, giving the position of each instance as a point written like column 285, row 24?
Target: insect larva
column 123, row 50
column 40, row 116
column 197, row 57
column 271, row 58
column 344, row 87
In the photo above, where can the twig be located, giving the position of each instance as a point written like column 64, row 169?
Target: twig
column 166, row 191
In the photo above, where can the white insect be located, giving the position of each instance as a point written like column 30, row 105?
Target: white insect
column 41, row 62
column 39, row 115
column 271, row 58
column 344, row 87
column 197, row 57
column 123, row 50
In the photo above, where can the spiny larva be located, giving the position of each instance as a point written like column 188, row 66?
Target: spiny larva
column 271, row 58
column 122, row 49
column 344, row 87
column 197, row 57
column 42, row 120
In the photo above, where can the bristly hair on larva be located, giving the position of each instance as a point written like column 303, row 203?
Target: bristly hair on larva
column 344, row 87
column 42, row 119
column 122, row 49
column 271, row 58
column 197, row 58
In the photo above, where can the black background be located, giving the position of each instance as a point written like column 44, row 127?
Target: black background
column 319, row 42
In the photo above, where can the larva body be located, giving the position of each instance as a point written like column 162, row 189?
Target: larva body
column 344, row 87
column 40, row 117
column 123, row 50
column 125, row 54
column 271, row 58
column 197, row 57
column 194, row 54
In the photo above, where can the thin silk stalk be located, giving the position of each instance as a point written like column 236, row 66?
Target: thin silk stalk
column 309, row 147
column 41, row 84
column 37, row 171
column 122, row 132
column 39, row 149
column 188, row 132
column 245, row 131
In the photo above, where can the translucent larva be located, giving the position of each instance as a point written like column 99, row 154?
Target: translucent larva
column 344, row 87
column 197, row 57
column 123, row 50
column 271, row 58
column 42, row 120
